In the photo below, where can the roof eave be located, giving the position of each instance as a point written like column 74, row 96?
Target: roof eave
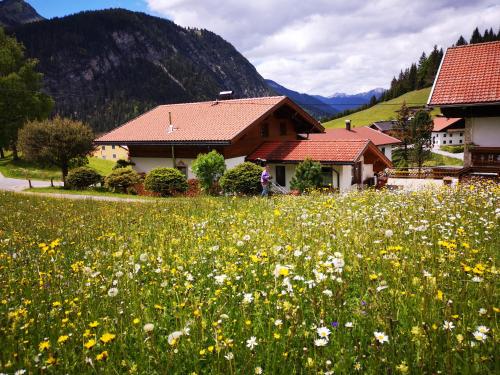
column 163, row 143
column 458, row 105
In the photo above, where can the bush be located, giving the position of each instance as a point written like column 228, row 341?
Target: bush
column 82, row 178
column 122, row 163
column 307, row 176
column 242, row 179
column 209, row 168
column 122, row 180
column 166, row 181
column 453, row 149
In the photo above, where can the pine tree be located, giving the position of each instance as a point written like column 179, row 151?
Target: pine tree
column 476, row 36
column 461, row 41
column 402, row 131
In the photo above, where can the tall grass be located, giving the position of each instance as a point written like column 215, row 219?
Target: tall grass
column 375, row 282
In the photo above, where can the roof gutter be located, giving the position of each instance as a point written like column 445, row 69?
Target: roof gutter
column 164, row 143
column 458, row 105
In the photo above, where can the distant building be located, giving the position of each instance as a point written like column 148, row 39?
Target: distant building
column 468, row 86
column 111, row 152
column 448, row 131
column 386, row 127
column 384, row 142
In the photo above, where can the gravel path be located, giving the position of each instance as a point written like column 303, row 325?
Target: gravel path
column 15, row 184
column 449, row 154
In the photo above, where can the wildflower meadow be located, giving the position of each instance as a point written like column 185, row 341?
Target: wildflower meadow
column 374, row 282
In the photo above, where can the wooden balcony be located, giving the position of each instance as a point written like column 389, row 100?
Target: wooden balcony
column 485, row 156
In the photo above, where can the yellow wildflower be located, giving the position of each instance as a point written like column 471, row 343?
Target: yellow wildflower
column 44, row 345
column 107, row 337
column 102, row 356
column 90, row 344
column 62, row 339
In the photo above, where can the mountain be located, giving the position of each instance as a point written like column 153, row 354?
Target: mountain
column 342, row 101
column 311, row 104
column 17, row 12
column 106, row 67
column 383, row 110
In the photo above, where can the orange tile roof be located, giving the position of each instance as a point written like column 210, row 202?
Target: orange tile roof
column 468, row 74
column 442, row 123
column 363, row 132
column 336, row 151
column 217, row 122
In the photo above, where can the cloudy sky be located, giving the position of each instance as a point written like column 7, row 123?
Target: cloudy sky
column 320, row 46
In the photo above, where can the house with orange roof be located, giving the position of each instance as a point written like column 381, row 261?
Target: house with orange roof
column 384, row 142
column 448, row 131
column 468, row 86
column 174, row 135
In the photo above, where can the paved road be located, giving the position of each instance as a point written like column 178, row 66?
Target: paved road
column 449, row 154
column 15, row 184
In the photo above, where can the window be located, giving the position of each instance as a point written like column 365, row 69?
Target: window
column 444, row 142
column 264, row 130
column 326, row 177
column 280, row 175
column 282, row 128
column 113, row 147
column 114, row 156
column 103, row 148
column 181, row 166
column 460, row 141
column 383, row 150
column 444, row 135
column 461, row 134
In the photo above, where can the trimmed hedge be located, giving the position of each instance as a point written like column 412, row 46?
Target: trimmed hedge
column 242, row 179
column 122, row 180
column 82, row 177
column 166, row 181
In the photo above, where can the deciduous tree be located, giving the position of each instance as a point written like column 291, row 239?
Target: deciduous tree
column 56, row 142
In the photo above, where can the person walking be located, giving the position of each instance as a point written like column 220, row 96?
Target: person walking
column 265, row 181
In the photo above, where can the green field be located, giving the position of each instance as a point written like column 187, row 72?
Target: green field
column 374, row 282
column 101, row 192
column 27, row 170
column 384, row 110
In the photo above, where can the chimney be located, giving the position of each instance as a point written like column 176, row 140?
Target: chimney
column 225, row 95
column 348, row 125
column 170, row 125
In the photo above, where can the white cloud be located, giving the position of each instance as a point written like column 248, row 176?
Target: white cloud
column 327, row 46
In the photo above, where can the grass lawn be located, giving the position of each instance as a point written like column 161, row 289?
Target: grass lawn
column 383, row 111
column 435, row 160
column 382, row 281
column 93, row 192
column 27, row 170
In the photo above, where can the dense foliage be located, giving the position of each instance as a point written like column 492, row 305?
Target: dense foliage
column 166, row 181
column 209, row 168
column 56, row 142
column 307, row 176
column 122, row 163
column 105, row 67
column 82, row 178
column 242, row 179
column 370, row 282
column 421, row 134
column 20, row 96
column 122, row 180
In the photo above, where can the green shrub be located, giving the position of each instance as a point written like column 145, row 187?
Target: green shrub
column 209, row 168
column 307, row 176
column 122, row 163
column 82, row 178
column 122, row 180
column 242, row 179
column 166, row 181
column 453, row 149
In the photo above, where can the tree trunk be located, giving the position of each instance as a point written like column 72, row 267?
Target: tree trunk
column 2, row 155
column 15, row 154
column 64, row 170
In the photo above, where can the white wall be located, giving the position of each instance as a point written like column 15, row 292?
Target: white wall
column 450, row 137
column 144, row 165
column 486, row 131
column 386, row 150
column 233, row 162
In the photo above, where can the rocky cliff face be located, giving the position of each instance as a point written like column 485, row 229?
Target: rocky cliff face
column 105, row 67
column 17, row 12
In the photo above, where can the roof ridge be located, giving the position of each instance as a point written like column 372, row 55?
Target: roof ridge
column 224, row 101
column 475, row 44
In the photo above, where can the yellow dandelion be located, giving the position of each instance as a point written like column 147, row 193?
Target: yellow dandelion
column 44, row 345
column 102, row 356
column 94, row 324
column 90, row 344
column 62, row 339
column 107, row 337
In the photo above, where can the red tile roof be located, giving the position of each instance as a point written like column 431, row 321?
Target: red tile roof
column 336, row 151
column 363, row 132
column 468, row 75
column 442, row 123
column 210, row 121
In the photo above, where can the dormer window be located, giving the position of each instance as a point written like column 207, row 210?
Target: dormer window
column 264, row 130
